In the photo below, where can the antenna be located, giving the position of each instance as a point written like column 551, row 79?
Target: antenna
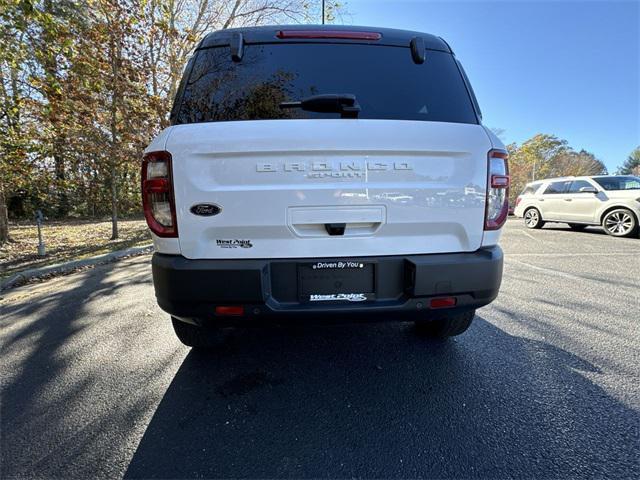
column 322, row 12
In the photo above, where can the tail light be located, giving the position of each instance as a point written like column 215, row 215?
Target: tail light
column 518, row 200
column 497, row 203
column 158, row 201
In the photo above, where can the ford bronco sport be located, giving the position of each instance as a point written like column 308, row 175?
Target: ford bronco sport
column 340, row 173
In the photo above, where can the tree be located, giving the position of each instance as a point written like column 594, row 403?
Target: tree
column 631, row 166
column 53, row 33
column 576, row 164
column 107, row 86
column 15, row 167
column 4, row 218
column 85, row 84
column 545, row 156
column 533, row 159
column 36, row 42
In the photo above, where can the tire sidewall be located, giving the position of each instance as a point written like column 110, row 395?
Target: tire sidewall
column 448, row 325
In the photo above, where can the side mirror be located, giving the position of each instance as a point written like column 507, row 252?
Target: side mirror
column 588, row 190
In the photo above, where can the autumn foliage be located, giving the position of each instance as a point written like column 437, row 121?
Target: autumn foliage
column 547, row 156
column 85, row 85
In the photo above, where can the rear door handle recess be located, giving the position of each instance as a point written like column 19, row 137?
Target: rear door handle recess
column 335, row 228
column 336, row 220
column 567, row 199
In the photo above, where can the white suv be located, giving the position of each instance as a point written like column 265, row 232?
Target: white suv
column 331, row 172
column 610, row 201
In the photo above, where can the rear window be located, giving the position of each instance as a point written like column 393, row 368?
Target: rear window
column 530, row 189
column 557, row 187
column 619, row 183
column 384, row 79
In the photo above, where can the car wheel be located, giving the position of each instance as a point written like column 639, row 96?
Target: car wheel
column 194, row 336
column 533, row 219
column 620, row 223
column 445, row 326
column 577, row 227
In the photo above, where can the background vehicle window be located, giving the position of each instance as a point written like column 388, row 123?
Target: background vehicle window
column 557, row 187
column 619, row 183
column 577, row 185
column 530, row 189
column 385, row 80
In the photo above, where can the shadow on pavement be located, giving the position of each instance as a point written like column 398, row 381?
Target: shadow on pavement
column 43, row 339
column 348, row 401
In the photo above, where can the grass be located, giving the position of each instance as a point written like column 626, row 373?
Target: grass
column 66, row 240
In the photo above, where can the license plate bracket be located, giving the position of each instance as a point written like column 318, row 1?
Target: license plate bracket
column 336, row 281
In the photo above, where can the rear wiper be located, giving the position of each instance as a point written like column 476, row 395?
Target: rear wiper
column 345, row 104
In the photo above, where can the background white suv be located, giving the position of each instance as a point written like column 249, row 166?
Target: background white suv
column 610, row 201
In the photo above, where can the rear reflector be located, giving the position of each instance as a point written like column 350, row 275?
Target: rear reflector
column 498, row 154
column 157, row 185
column 230, row 310
column 443, row 302
column 342, row 34
column 499, row 181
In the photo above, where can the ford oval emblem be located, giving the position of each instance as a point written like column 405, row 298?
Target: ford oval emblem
column 205, row 209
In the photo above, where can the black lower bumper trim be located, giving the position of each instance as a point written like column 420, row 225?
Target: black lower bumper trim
column 191, row 289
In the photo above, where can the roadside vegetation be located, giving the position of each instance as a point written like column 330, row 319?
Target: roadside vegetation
column 84, row 86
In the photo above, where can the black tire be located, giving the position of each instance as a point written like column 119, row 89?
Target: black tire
column 533, row 218
column 577, row 227
column 194, row 336
column 445, row 326
column 620, row 222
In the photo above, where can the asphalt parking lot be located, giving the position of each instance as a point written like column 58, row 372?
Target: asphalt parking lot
column 544, row 384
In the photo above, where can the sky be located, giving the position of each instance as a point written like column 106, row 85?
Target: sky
column 567, row 68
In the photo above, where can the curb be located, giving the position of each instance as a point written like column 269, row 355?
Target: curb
column 66, row 267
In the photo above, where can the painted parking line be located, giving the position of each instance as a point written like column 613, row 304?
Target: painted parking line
column 529, row 235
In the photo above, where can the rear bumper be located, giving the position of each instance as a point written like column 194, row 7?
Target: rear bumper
column 519, row 211
column 190, row 290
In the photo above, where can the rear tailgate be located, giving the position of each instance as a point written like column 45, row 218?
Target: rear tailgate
column 399, row 187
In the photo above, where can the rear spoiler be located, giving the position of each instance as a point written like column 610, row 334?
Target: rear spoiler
column 341, row 34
